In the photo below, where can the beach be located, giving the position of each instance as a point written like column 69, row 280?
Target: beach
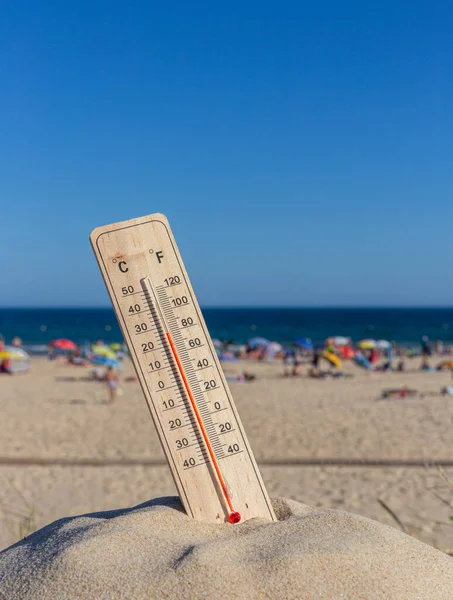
column 326, row 443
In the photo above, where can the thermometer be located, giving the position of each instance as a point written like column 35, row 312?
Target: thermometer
column 188, row 397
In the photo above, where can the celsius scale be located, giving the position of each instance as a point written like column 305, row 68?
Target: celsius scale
column 188, row 397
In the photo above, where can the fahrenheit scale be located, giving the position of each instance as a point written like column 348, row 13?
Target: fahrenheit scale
column 198, row 425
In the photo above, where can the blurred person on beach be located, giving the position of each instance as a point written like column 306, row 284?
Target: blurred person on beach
column 16, row 342
column 75, row 357
column 292, row 360
column 3, row 363
column 398, row 350
column 387, row 365
column 111, row 377
column 448, row 389
column 390, row 353
column 245, row 376
column 313, row 372
column 287, row 360
column 51, row 352
column 297, row 361
column 329, row 346
column 97, row 374
column 315, row 360
column 425, row 366
column 426, row 346
column 439, row 348
column 401, row 366
column 373, row 356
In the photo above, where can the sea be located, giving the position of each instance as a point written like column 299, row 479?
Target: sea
column 38, row 326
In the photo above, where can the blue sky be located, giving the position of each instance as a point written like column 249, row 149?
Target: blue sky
column 302, row 151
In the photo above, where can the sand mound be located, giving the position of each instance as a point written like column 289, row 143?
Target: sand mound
column 156, row 551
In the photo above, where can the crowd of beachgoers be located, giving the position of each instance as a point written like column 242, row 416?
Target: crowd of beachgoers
column 104, row 359
column 367, row 353
column 301, row 358
column 326, row 360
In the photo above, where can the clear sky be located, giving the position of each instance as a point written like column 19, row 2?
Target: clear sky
column 302, row 151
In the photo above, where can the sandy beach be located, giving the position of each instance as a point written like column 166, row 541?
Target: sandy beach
column 334, row 443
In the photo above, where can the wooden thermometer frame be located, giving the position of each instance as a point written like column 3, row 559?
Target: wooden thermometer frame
column 188, row 397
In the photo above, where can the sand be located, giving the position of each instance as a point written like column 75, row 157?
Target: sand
column 64, row 452
column 156, row 551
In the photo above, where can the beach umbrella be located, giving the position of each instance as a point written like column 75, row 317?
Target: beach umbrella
column 12, row 353
column 367, row 344
column 116, row 347
column 340, row 340
column 63, row 344
column 256, row 342
column 105, row 361
column 305, row 343
column 347, row 352
column 103, row 351
column 274, row 348
column 18, row 353
column 15, row 360
column 383, row 344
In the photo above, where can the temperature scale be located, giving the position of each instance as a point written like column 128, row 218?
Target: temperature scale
column 198, row 425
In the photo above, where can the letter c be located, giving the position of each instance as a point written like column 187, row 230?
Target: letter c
column 122, row 266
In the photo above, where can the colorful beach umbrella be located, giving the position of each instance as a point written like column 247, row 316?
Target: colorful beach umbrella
column 63, row 344
column 15, row 360
column 274, row 347
column 103, row 351
column 383, row 344
column 304, row 343
column 256, row 342
column 347, row 352
column 12, row 353
column 105, row 361
column 367, row 344
column 116, row 347
column 340, row 340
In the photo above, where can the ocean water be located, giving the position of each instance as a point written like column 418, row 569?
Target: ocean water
column 405, row 325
